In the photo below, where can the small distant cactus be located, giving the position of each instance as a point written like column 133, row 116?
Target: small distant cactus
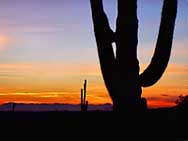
column 84, row 103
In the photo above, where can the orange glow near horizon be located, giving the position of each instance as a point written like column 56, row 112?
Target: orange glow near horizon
column 152, row 94
column 36, row 83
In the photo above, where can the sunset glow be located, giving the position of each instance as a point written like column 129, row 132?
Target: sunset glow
column 3, row 40
column 48, row 49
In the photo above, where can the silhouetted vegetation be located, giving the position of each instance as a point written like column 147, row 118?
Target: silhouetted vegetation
column 121, row 73
column 84, row 103
column 182, row 103
column 13, row 106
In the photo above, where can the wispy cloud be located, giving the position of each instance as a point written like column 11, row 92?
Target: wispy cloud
column 161, row 101
column 165, row 100
column 40, row 97
column 181, row 69
column 38, row 29
column 51, row 97
column 165, row 95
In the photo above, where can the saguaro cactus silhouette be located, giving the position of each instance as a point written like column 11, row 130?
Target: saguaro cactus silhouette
column 121, row 73
column 84, row 103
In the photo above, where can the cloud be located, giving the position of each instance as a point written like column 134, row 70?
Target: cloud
column 161, row 101
column 40, row 97
column 35, row 29
column 51, row 97
column 181, row 69
column 50, row 69
column 164, row 95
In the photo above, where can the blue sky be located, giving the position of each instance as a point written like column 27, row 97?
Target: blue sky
column 63, row 28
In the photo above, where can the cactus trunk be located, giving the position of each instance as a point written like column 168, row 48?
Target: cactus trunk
column 121, row 73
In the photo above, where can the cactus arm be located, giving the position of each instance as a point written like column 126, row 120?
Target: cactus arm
column 162, row 52
column 85, row 84
column 81, row 97
column 104, row 38
column 85, row 102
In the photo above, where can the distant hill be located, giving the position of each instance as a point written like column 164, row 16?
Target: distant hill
column 182, row 106
column 22, row 107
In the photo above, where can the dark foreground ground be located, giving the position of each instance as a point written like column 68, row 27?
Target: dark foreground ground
column 151, row 125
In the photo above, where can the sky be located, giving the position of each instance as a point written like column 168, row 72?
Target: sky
column 48, row 48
